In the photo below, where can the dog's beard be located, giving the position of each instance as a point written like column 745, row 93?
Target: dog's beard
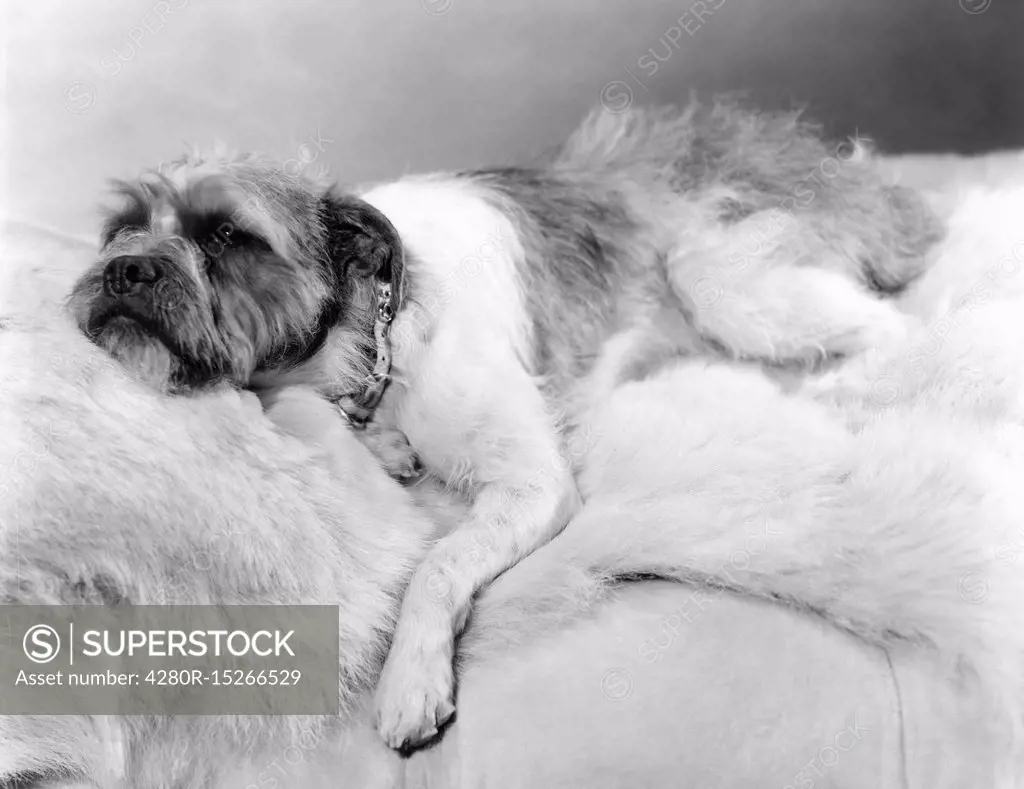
column 139, row 351
column 171, row 341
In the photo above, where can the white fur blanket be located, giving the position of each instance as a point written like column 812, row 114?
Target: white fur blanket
column 884, row 498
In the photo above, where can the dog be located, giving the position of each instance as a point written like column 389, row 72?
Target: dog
column 469, row 320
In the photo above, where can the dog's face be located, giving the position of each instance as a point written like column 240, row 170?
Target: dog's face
column 215, row 269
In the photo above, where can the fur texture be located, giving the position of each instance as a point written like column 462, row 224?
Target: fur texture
column 527, row 295
column 931, row 472
column 79, row 461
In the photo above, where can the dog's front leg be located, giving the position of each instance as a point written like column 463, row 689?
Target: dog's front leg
column 415, row 694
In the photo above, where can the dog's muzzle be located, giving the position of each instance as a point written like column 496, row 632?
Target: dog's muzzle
column 134, row 288
column 131, row 275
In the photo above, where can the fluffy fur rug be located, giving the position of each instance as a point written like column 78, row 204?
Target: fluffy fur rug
column 883, row 497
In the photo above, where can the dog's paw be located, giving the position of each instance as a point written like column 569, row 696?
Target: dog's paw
column 414, row 700
column 392, row 450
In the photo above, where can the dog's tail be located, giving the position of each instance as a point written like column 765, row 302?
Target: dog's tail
column 747, row 161
column 638, row 139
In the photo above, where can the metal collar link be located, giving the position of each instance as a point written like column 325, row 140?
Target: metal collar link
column 385, row 309
column 359, row 407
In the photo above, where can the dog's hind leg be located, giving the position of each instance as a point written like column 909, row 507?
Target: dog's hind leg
column 777, row 294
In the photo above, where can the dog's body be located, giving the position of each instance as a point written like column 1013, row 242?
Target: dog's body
column 526, row 297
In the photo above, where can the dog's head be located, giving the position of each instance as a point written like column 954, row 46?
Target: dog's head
column 217, row 268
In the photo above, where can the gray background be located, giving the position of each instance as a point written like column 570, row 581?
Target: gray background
column 393, row 86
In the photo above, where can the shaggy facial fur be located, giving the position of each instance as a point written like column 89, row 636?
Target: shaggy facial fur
column 228, row 267
column 530, row 294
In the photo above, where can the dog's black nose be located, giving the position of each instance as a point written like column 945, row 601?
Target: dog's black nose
column 130, row 273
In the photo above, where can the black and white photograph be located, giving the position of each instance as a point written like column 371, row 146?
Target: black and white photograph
column 538, row 394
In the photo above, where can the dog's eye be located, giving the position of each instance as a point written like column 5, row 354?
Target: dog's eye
column 215, row 243
column 239, row 238
column 227, row 236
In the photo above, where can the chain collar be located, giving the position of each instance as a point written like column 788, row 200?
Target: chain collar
column 358, row 407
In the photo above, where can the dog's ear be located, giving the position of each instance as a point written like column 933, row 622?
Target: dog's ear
column 362, row 242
